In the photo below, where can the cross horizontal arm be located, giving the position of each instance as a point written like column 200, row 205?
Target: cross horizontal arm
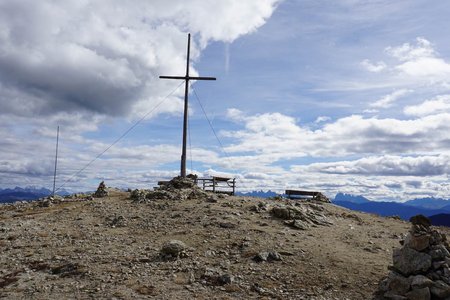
column 188, row 78
column 202, row 78
column 172, row 77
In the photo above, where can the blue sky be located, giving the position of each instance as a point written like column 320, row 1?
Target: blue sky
column 337, row 96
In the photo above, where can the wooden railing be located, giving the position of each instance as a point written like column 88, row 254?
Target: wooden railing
column 217, row 184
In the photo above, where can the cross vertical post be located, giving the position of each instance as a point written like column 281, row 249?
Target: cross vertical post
column 186, row 78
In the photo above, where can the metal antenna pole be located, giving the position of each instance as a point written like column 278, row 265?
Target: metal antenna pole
column 186, row 78
column 56, row 161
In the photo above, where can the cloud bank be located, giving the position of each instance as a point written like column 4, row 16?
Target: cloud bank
column 104, row 57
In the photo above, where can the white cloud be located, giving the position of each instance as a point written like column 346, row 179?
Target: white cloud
column 80, row 64
column 279, row 136
column 373, row 67
column 386, row 165
column 235, row 115
column 104, row 58
column 322, row 119
column 439, row 104
column 420, row 60
column 387, row 100
column 408, row 52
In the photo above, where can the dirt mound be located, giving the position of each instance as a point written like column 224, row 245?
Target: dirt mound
column 178, row 242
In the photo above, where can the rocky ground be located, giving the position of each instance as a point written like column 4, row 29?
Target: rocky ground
column 192, row 245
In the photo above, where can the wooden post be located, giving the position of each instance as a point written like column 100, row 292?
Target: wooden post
column 186, row 78
column 234, row 185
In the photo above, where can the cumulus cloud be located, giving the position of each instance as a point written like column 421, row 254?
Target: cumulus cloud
column 439, row 104
column 386, row 165
column 407, row 52
column 389, row 99
column 420, row 60
column 280, row 136
column 373, row 67
column 80, row 64
column 104, row 57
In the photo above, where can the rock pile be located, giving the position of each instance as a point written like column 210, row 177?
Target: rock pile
column 421, row 267
column 178, row 188
column 101, row 190
column 321, row 198
column 49, row 201
column 302, row 216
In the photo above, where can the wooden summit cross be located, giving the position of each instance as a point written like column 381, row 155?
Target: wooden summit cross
column 186, row 78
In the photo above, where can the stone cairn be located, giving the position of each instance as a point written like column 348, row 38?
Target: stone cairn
column 101, row 190
column 321, row 198
column 421, row 267
column 178, row 188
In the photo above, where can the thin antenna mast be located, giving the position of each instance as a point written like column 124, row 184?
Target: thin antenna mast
column 56, row 161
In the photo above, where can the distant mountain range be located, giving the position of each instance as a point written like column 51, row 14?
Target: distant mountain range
column 25, row 194
column 437, row 209
column 441, row 220
column 340, row 197
column 260, row 194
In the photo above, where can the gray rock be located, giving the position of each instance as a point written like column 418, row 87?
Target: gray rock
column 420, row 281
column 297, row 224
column 117, row 221
column 225, row 279
column 261, row 256
column 397, row 283
column 438, row 264
column 393, row 296
column 282, row 213
column 160, row 195
column 440, row 289
column 419, row 294
column 101, row 191
column 174, row 248
column 211, row 199
column 273, row 255
column 267, row 256
column 420, row 220
column 437, row 238
column 181, row 183
column 417, row 242
column 408, row 261
column 439, row 252
column 45, row 203
column 138, row 195
column 321, row 198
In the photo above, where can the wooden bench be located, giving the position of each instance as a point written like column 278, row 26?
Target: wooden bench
column 296, row 194
column 216, row 184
